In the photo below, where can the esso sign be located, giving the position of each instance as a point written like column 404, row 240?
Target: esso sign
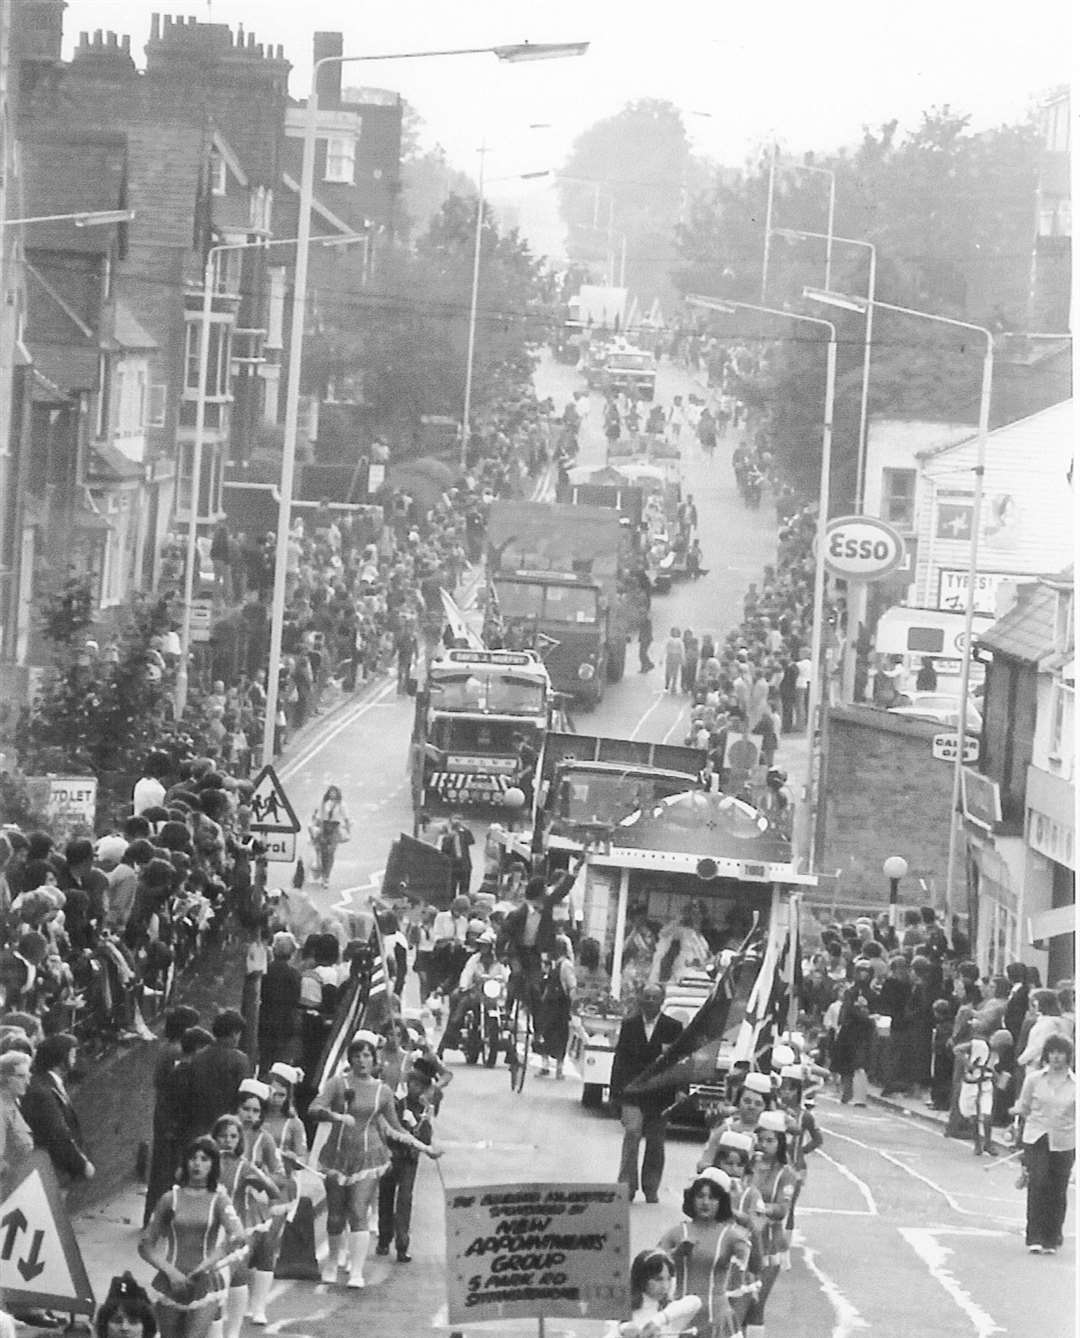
column 862, row 548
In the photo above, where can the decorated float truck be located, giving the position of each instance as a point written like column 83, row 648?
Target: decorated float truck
column 694, row 853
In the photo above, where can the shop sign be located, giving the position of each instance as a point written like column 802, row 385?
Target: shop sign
column 953, row 588
column 980, row 799
column 862, row 548
column 525, row 1250
column 943, row 747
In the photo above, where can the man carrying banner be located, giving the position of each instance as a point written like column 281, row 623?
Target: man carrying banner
column 643, row 1038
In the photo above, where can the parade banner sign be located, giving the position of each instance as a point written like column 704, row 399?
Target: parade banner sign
column 533, row 1250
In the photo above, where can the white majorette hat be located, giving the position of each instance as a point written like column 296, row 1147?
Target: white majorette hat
column 773, row 1120
column 253, row 1087
column 372, row 1037
column 715, row 1176
column 781, row 1055
column 731, row 1138
column 792, row 1071
column 758, row 1082
column 287, row 1073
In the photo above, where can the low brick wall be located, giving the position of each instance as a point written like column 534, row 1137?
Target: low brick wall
column 885, row 795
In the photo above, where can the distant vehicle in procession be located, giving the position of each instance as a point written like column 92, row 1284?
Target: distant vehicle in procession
column 475, row 703
column 555, row 583
column 629, row 371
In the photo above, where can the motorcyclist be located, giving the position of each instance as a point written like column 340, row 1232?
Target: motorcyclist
column 482, row 965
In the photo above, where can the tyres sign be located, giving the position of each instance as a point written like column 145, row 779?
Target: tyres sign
column 862, row 548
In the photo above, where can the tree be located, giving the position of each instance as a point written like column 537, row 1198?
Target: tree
column 629, row 176
column 951, row 215
column 406, row 333
column 98, row 712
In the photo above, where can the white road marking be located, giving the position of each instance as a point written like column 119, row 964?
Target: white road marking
column 675, row 724
column 860, row 1185
column 313, row 749
column 660, row 695
column 848, row 1319
column 935, row 1256
column 834, row 1212
column 949, row 1198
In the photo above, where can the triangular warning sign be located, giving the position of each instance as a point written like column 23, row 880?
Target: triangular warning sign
column 270, row 807
column 40, row 1263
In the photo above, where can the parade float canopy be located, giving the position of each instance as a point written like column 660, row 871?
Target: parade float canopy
column 679, row 833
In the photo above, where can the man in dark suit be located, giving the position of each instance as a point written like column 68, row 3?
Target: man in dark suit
column 456, row 846
column 216, row 1075
column 529, row 931
column 47, row 1109
column 642, row 1038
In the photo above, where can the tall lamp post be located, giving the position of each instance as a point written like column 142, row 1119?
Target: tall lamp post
column 183, row 671
column 523, row 51
column 770, row 230
column 857, row 604
column 983, row 432
column 812, row 798
column 466, row 413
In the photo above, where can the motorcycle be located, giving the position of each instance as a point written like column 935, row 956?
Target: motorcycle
column 482, row 1033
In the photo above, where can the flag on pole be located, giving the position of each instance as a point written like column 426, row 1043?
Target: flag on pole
column 459, row 628
column 676, row 1066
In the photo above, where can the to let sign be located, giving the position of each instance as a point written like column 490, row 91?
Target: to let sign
column 69, row 803
column 524, row 1251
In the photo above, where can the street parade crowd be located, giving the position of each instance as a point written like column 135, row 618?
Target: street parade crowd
column 95, row 932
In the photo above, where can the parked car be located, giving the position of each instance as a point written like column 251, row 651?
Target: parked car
column 938, row 706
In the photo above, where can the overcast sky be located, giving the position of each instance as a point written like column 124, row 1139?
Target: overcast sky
column 809, row 73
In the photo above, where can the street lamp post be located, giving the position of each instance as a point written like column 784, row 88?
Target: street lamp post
column 774, row 162
column 894, row 868
column 92, row 218
column 982, row 435
column 814, row 762
column 857, row 604
column 183, row 672
column 466, row 416
column 516, row 53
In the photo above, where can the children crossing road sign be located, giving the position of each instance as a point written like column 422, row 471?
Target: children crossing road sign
column 40, row 1263
column 270, row 807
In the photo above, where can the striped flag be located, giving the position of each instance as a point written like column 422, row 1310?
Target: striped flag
column 459, row 628
column 366, row 1004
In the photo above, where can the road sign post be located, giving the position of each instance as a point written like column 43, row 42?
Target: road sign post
column 40, row 1263
column 273, row 818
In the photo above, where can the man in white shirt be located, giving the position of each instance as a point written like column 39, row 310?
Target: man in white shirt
column 149, row 792
column 449, row 931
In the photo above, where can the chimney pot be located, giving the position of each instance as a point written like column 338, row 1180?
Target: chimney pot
column 110, row 39
column 84, row 39
column 98, row 35
column 251, row 41
column 155, row 27
column 125, row 44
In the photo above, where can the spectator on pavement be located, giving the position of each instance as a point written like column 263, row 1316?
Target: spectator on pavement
column 216, row 1073
column 48, row 1110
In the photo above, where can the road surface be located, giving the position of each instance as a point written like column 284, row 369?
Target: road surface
column 899, row 1231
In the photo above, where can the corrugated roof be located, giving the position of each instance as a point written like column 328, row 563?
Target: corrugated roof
column 1026, row 632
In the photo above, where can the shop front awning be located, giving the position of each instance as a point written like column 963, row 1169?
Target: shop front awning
column 1052, row 924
